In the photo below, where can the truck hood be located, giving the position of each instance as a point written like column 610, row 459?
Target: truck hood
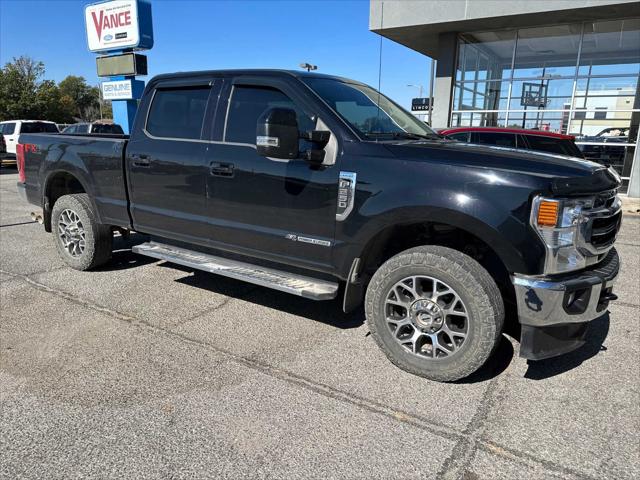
column 564, row 173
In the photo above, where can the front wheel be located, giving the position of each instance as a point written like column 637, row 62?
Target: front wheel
column 82, row 242
column 435, row 312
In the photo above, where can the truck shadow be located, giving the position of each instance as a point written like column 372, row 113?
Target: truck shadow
column 330, row 313
column 123, row 258
column 596, row 336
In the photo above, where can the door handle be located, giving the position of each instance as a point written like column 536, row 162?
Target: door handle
column 221, row 169
column 140, row 160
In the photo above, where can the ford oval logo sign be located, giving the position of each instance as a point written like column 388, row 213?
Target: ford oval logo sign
column 108, row 37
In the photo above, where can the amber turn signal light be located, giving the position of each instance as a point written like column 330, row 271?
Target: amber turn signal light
column 548, row 213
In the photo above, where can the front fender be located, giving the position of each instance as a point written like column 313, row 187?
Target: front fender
column 497, row 216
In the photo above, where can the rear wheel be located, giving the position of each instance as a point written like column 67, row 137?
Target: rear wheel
column 435, row 312
column 82, row 242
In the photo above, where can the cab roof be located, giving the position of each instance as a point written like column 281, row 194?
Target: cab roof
column 252, row 71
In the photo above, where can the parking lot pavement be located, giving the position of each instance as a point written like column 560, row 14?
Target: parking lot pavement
column 147, row 369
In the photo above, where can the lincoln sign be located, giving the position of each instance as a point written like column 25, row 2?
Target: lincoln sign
column 118, row 25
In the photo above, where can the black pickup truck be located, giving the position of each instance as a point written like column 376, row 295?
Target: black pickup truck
column 321, row 186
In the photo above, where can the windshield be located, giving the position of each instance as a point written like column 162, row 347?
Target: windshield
column 358, row 105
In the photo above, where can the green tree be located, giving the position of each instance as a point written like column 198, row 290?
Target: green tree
column 53, row 104
column 19, row 83
column 85, row 97
column 24, row 94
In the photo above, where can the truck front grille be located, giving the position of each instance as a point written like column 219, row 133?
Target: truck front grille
column 605, row 229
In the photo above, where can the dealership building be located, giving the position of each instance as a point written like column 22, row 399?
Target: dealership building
column 566, row 66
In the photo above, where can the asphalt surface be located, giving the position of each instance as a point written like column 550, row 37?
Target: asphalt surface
column 145, row 369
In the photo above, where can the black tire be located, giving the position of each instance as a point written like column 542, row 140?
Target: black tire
column 472, row 284
column 98, row 238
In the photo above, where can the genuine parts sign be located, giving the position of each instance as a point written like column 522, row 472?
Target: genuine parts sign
column 118, row 25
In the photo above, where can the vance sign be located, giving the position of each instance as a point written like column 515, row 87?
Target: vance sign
column 118, row 25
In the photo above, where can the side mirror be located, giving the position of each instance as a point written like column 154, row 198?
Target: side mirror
column 277, row 133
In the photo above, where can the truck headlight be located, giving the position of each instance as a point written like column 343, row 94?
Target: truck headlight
column 558, row 225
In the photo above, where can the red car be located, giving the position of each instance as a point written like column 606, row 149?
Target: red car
column 516, row 138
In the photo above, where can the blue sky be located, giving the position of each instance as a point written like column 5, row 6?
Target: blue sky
column 200, row 35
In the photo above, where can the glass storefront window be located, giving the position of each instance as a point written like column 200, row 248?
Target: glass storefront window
column 555, row 122
column 611, row 48
column 481, row 95
column 482, row 119
column 486, row 55
column 581, row 79
column 547, row 51
column 541, row 94
column 602, row 126
column 613, row 93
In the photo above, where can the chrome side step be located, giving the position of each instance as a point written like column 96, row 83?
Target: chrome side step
column 267, row 277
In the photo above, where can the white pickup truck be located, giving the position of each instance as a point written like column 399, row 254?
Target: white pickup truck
column 12, row 129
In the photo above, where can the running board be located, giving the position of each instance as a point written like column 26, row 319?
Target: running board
column 267, row 277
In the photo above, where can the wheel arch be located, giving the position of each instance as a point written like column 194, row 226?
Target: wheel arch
column 460, row 232
column 57, row 184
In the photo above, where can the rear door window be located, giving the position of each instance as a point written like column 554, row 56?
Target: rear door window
column 248, row 103
column 8, row 128
column 461, row 136
column 178, row 113
column 498, row 139
column 84, row 128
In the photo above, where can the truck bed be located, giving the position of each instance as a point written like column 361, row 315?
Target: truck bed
column 96, row 160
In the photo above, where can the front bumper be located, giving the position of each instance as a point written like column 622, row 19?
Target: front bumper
column 554, row 312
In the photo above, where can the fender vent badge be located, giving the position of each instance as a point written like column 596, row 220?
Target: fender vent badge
column 346, row 194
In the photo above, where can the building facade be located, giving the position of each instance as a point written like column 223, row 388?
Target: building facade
column 566, row 66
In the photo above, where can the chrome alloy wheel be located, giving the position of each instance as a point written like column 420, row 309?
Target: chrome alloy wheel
column 71, row 232
column 427, row 317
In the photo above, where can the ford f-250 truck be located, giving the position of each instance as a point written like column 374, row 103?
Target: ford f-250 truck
column 306, row 183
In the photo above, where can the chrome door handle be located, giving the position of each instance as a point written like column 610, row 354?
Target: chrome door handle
column 221, row 169
column 140, row 160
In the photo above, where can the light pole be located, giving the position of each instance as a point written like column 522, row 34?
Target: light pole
column 419, row 87
column 308, row 67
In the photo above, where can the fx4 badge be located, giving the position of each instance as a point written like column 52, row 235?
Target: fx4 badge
column 346, row 194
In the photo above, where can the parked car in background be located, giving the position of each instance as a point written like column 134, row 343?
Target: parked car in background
column 613, row 152
column 3, row 149
column 11, row 129
column 95, row 127
column 516, row 138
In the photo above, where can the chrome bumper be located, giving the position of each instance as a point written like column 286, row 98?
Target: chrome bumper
column 569, row 299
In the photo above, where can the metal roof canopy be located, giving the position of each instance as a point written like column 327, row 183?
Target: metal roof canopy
column 417, row 24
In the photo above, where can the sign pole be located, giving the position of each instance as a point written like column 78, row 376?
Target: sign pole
column 124, row 111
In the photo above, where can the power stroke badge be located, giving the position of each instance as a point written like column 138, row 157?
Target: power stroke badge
column 313, row 241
